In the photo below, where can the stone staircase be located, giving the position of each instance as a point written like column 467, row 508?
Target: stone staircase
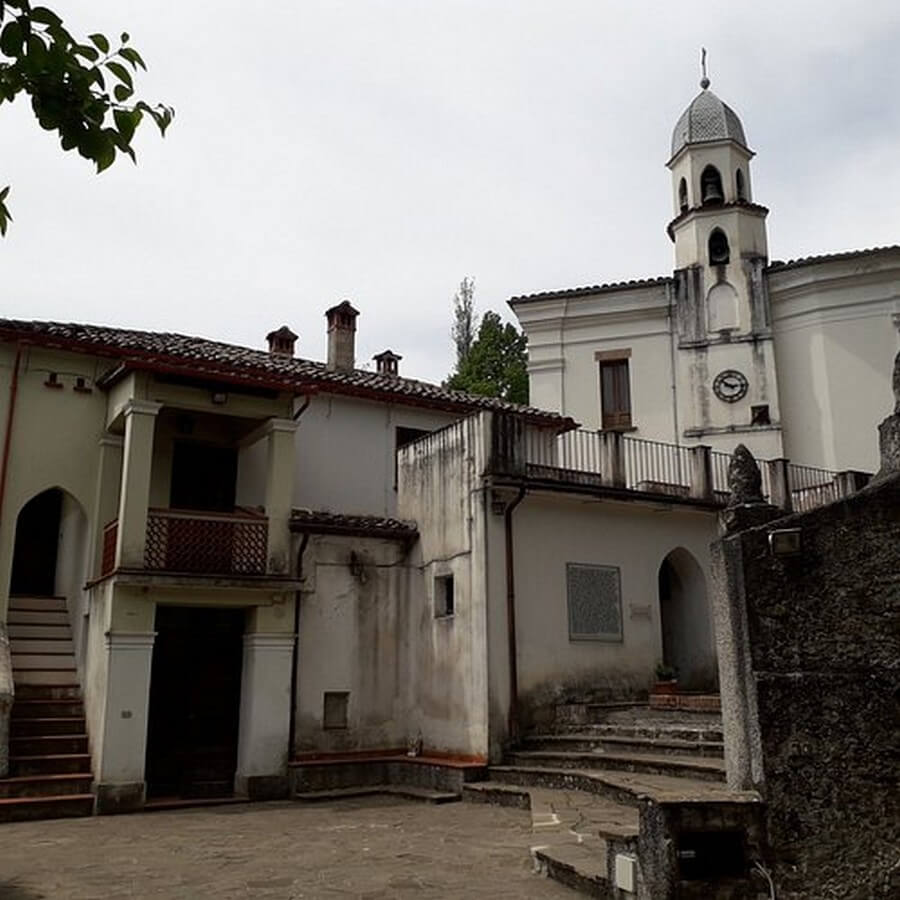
column 586, row 788
column 49, row 763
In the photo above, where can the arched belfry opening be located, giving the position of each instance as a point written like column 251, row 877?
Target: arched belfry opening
column 718, row 248
column 711, row 186
column 739, row 186
column 683, row 195
column 687, row 637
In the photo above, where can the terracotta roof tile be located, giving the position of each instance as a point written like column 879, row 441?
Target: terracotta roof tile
column 243, row 364
column 322, row 522
column 779, row 265
column 591, row 289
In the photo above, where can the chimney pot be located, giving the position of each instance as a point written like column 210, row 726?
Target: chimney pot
column 386, row 362
column 281, row 342
column 341, row 336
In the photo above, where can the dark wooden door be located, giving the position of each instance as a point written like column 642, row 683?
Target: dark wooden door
column 195, row 695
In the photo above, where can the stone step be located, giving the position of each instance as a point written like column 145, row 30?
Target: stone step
column 55, row 764
column 652, row 764
column 408, row 792
column 39, row 631
column 48, row 745
column 622, row 743
column 46, row 677
column 41, row 661
column 620, row 787
column 600, row 714
column 583, row 868
column 21, row 809
column 45, row 785
column 43, row 705
column 31, row 645
column 678, row 730
column 33, row 726
column 39, row 604
column 36, row 617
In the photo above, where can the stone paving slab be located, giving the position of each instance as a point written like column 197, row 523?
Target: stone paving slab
column 365, row 849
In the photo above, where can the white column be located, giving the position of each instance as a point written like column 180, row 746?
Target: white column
column 120, row 784
column 106, row 496
column 279, row 493
column 265, row 715
column 134, row 496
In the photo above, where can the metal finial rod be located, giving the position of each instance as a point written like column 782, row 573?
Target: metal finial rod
column 704, row 81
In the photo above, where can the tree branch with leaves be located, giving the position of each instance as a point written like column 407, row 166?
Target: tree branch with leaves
column 82, row 90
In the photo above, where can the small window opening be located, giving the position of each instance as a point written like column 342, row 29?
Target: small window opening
column 334, row 713
column 739, row 185
column 53, row 380
column 81, row 386
column 443, row 596
column 759, row 415
column 682, row 196
column 403, row 437
column 615, row 394
column 719, row 252
column 711, row 186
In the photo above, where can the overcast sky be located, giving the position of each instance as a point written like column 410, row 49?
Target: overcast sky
column 380, row 150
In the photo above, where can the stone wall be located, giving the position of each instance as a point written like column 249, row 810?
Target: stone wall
column 809, row 649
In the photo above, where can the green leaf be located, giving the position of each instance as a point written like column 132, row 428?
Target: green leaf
column 11, row 39
column 126, row 37
column 120, row 72
column 100, row 42
column 122, row 93
column 133, row 57
column 4, row 193
column 5, row 217
column 44, row 16
column 87, row 52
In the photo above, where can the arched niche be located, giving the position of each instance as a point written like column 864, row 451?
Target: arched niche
column 687, row 638
column 723, row 308
column 718, row 248
column 740, row 187
column 683, row 195
column 711, row 186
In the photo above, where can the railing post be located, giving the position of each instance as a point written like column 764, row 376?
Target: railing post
column 612, row 458
column 701, row 472
column 780, row 484
column 850, row 481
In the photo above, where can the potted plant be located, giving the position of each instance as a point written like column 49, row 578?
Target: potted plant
column 666, row 679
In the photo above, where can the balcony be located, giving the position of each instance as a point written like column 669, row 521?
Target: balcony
column 188, row 542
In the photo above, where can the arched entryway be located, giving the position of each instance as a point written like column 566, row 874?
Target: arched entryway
column 687, row 639
column 50, row 550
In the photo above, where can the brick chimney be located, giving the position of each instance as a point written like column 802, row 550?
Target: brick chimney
column 386, row 362
column 281, row 342
column 341, row 336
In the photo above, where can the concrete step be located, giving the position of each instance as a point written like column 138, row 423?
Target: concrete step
column 583, row 868
column 676, row 730
column 39, row 631
column 38, row 604
column 652, row 764
column 21, row 809
column 33, row 726
column 45, row 785
column 46, row 677
column 47, row 764
column 582, row 743
column 408, row 792
column 30, row 645
column 48, row 745
column 620, row 787
column 41, row 661
column 36, row 617
column 602, row 714
column 42, row 704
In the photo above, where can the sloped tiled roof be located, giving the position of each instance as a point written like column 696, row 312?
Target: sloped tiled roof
column 200, row 357
column 778, row 264
column 591, row 289
column 322, row 522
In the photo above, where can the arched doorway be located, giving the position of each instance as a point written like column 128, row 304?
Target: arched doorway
column 687, row 639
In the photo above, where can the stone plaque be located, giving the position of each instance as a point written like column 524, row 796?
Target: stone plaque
column 595, row 602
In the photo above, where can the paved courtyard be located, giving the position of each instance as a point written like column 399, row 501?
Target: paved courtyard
column 372, row 848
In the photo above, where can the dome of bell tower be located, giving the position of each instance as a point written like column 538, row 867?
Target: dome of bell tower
column 707, row 119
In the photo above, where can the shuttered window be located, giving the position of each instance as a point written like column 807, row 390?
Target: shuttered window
column 615, row 394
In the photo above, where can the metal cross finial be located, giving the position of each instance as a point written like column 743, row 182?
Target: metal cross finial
column 704, row 81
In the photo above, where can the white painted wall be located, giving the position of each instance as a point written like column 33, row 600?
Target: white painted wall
column 72, row 561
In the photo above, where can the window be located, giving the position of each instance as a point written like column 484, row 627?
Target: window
column 443, row 596
column 711, row 186
column 403, row 437
column 759, row 415
column 740, row 190
column 594, row 598
column 682, row 196
column 334, row 713
column 204, row 477
column 719, row 251
column 615, row 394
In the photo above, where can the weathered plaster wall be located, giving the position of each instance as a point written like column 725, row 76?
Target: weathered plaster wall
column 72, row 561
column 818, row 635
column 553, row 530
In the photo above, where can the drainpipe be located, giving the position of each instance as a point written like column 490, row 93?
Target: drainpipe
column 7, row 439
column 513, row 723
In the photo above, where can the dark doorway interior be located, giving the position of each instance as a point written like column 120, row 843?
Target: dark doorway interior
column 204, row 477
column 195, row 695
column 37, row 543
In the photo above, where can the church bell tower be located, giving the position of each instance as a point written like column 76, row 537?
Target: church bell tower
column 725, row 379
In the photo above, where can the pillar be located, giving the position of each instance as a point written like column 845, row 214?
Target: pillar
column 265, row 716
column 279, row 493
column 780, row 485
column 612, row 458
column 134, row 495
column 106, row 496
column 701, row 473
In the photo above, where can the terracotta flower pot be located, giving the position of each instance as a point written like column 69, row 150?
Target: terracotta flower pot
column 666, row 687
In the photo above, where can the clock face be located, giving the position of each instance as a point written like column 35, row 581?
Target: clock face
column 730, row 386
